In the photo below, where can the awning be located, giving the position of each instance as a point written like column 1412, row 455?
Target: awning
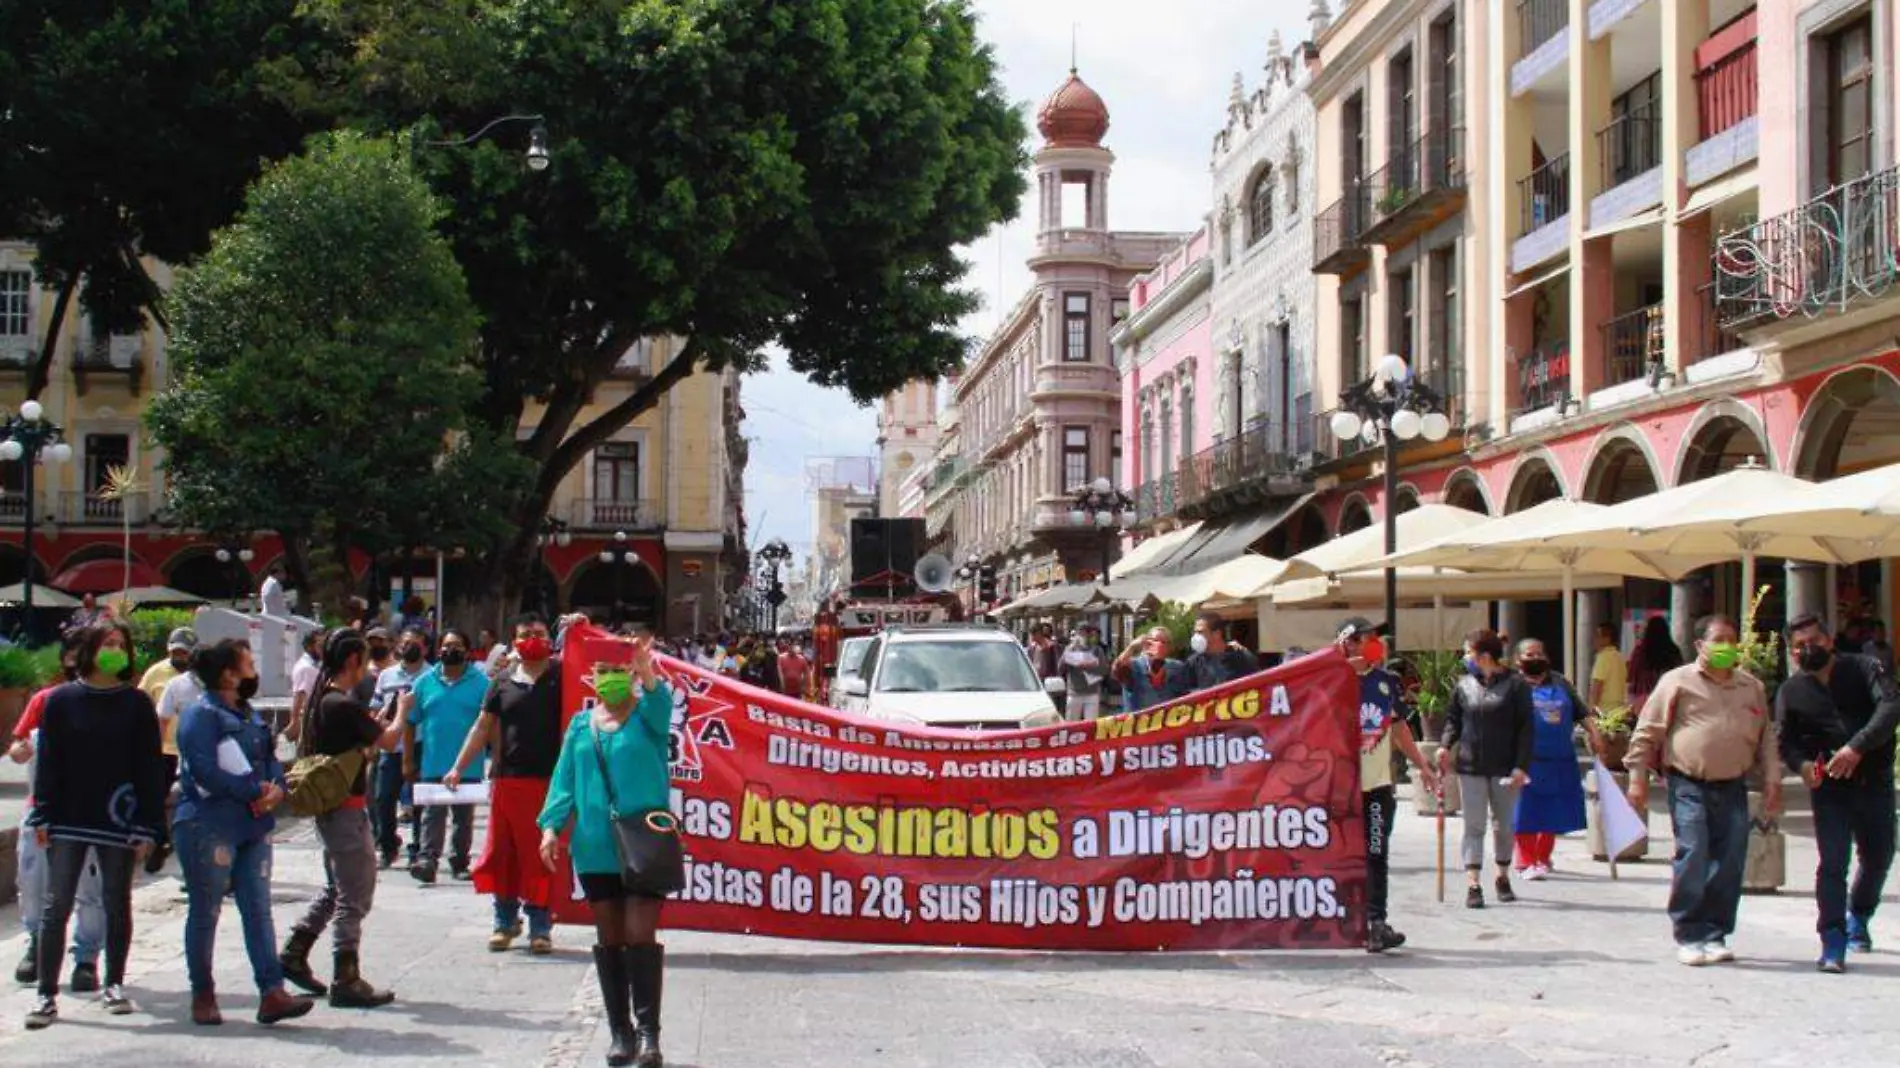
column 1634, row 222
column 1142, row 556
column 1220, row 543
column 1713, row 193
column 1554, row 272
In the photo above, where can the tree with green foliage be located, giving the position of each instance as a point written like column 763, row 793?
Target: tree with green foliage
column 323, row 364
column 132, row 129
column 738, row 173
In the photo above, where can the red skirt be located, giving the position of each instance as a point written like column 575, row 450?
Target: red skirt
column 510, row 865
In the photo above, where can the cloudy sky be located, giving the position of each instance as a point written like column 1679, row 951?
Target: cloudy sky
column 1166, row 82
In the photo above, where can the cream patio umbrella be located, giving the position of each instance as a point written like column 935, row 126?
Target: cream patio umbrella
column 1525, row 541
column 1365, row 547
column 1856, row 516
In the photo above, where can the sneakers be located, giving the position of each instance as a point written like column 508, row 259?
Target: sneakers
column 1833, row 952
column 462, row 875
column 85, row 978
column 1505, row 893
column 27, row 972
column 1536, row 873
column 1694, row 956
column 503, row 939
column 1718, row 951
column 1859, row 939
column 1474, row 897
column 45, row 1010
column 1380, row 937
column 116, row 1001
column 542, row 945
column 423, row 873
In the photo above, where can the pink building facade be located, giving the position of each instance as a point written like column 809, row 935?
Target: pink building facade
column 1163, row 351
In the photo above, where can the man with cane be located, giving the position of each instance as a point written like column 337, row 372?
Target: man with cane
column 1381, row 725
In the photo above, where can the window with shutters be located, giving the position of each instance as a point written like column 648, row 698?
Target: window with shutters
column 1075, row 458
column 1075, row 327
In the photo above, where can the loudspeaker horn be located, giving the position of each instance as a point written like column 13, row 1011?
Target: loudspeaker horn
column 934, row 573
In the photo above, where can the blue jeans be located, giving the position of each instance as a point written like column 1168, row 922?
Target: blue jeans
column 1857, row 818
column 508, row 913
column 32, row 866
column 1711, row 826
column 214, row 865
column 382, row 810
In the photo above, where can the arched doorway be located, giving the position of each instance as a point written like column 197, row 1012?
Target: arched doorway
column 624, row 593
column 1620, row 470
column 1534, row 483
column 1355, row 515
column 199, row 571
column 13, row 565
column 1722, row 443
column 1406, row 500
column 1724, row 436
column 1465, row 490
column 1852, row 425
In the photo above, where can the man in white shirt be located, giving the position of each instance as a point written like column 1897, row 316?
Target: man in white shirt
column 303, row 679
column 270, row 597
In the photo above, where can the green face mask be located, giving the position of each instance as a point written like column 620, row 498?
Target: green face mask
column 614, row 687
column 113, row 661
column 1722, row 656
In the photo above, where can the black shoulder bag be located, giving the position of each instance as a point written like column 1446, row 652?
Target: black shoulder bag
column 652, row 859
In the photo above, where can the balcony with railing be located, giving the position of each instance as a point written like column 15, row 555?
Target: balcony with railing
column 1339, row 245
column 1714, row 338
column 1629, row 154
column 1632, row 345
column 1543, row 376
column 117, row 355
column 1837, row 252
column 1330, row 449
column 1543, row 204
column 12, row 508
column 1727, row 95
column 1421, row 185
column 610, row 514
column 96, row 509
column 1543, row 42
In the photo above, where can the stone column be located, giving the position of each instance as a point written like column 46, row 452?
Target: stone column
column 1513, row 619
column 1807, row 590
column 1684, row 607
column 1592, row 608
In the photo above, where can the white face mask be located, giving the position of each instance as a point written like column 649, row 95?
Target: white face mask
column 1198, row 643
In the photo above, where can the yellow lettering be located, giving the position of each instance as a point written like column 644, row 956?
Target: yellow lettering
column 825, row 819
column 1110, row 728
column 755, row 820
column 1246, row 704
column 1179, row 715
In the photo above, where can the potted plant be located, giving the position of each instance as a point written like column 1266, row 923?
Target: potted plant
column 1614, row 726
column 1394, row 198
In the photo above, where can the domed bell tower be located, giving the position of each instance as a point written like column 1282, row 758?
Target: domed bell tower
column 1072, row 170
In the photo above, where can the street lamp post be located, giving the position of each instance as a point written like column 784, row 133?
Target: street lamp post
column 553, row 532
column 969, row 572
column 616, row 556
column 236, row 553
column 1391, row 407
column 25, row 438
column 775, row 553
column 536, row 156
column 1101, row 505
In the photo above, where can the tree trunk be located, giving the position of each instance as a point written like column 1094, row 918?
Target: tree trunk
column 42, row 370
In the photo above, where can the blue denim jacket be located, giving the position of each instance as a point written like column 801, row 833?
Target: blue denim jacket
column 212, row 795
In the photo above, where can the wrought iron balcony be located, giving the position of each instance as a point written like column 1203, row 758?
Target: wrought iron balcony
column 1715, row 337
column 1538, row 21
column 1630, row 145
column 93, row 509
column 1338, row 233
column 1420, row 185
column 1543, row 376
column 1632, row 345
column 1329, row 448
column 1543, row 196
column 601, row 513
column 1836, row 251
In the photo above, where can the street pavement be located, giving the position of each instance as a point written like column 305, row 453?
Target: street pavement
column 1580, row 971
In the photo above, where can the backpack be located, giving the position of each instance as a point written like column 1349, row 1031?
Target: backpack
column 320, row 784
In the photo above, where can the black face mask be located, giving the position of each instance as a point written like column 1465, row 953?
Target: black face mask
column 412, row 654
column 455, row 657
column 1813, row 657
column 247, row 688
column 1535, row 669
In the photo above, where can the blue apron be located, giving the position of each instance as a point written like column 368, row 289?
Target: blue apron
column 1553, row 802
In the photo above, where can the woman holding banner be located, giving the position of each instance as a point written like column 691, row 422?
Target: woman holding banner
column 613, row 763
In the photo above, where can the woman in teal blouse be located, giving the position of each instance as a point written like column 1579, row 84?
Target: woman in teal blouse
column 631, row 725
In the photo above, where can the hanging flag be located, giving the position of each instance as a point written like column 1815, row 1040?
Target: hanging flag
column 1623, row 826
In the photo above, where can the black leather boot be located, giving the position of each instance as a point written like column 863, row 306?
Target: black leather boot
column 348, row 990
column 646, row 967
column 295, row 960
column 610, row 966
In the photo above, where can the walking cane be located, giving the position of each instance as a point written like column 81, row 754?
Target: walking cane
column 1441, row 843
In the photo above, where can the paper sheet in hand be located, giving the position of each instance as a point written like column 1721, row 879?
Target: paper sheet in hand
column 231, row 758
column 434, row 793
column 1622, row 825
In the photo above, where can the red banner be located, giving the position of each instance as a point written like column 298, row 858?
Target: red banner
column 1230, row 820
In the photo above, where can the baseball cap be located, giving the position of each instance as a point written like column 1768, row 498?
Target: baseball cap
column 1356, row 627
column 182, row 638
column 376, row 632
